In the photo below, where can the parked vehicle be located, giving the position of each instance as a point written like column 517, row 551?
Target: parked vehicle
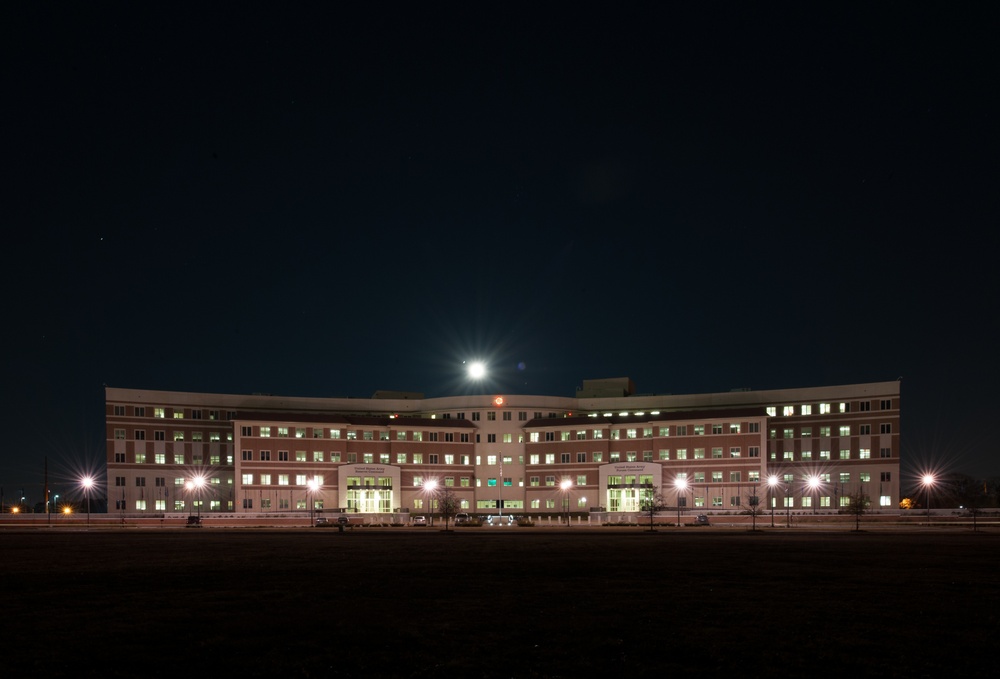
column 701, row 520
column 419, row 520
column 461, row 518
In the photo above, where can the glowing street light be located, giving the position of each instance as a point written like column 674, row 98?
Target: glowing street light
column 814, row 486
column 87, row 482
column 681, row 484
column 312, row 485
column 430, row 490
column 196, row 484
column 566, row 484
column 476, row 370
column 928, row 481
column 772, row 483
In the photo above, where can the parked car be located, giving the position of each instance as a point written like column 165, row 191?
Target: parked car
column 419, row 520
column 343, row 520
column 322, row 521
column 194, row 521
column 461, row 518
column 701, row 520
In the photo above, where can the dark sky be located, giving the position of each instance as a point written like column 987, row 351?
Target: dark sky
column 326, row 199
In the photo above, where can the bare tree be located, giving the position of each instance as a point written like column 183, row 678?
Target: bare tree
column 754, row 507
column 448, row 505
column 651, row 503
column 858, row 504
column 972, row 493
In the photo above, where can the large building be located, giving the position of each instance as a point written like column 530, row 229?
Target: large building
column 605, row 450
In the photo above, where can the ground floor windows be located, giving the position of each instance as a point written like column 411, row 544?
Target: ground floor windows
column 623, row 499
column 370, row 500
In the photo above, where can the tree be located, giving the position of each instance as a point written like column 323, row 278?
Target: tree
column 448, row 506
column 651, row 503
column 754, row 507
column 972, row 493
column 858, row 504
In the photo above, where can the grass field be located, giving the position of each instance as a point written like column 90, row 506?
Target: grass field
column 515, row 603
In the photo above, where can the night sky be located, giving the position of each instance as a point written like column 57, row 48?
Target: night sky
column 327, row 199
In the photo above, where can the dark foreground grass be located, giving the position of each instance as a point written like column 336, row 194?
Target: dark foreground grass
column 518, row 603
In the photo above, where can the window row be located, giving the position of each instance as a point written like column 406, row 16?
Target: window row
column 175, row 413
column 644, row 432
column 160, row 435
column 825, row 432
column 843, row 454
column 141, row 457
column 827, row 408
column 265, row 431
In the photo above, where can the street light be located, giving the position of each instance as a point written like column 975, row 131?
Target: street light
column 814, row 486
column 772, row 482
column 313, row 486
column 476, row 370
column 681, row 484
column 87, row 482
column 928, row 481
column 430, row 489
column 196, row 484
column 566, row 485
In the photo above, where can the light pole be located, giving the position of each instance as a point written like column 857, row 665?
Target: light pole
column 928, row 481
column 312, row 486
column 681, row 484
column 196, row 484
column 772, row 481
column 430, row 488
column 87, row 482
column 566, row 484
column 788, row 507
column 814, row 486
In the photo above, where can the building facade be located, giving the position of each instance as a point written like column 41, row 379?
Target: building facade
column 605, row 450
